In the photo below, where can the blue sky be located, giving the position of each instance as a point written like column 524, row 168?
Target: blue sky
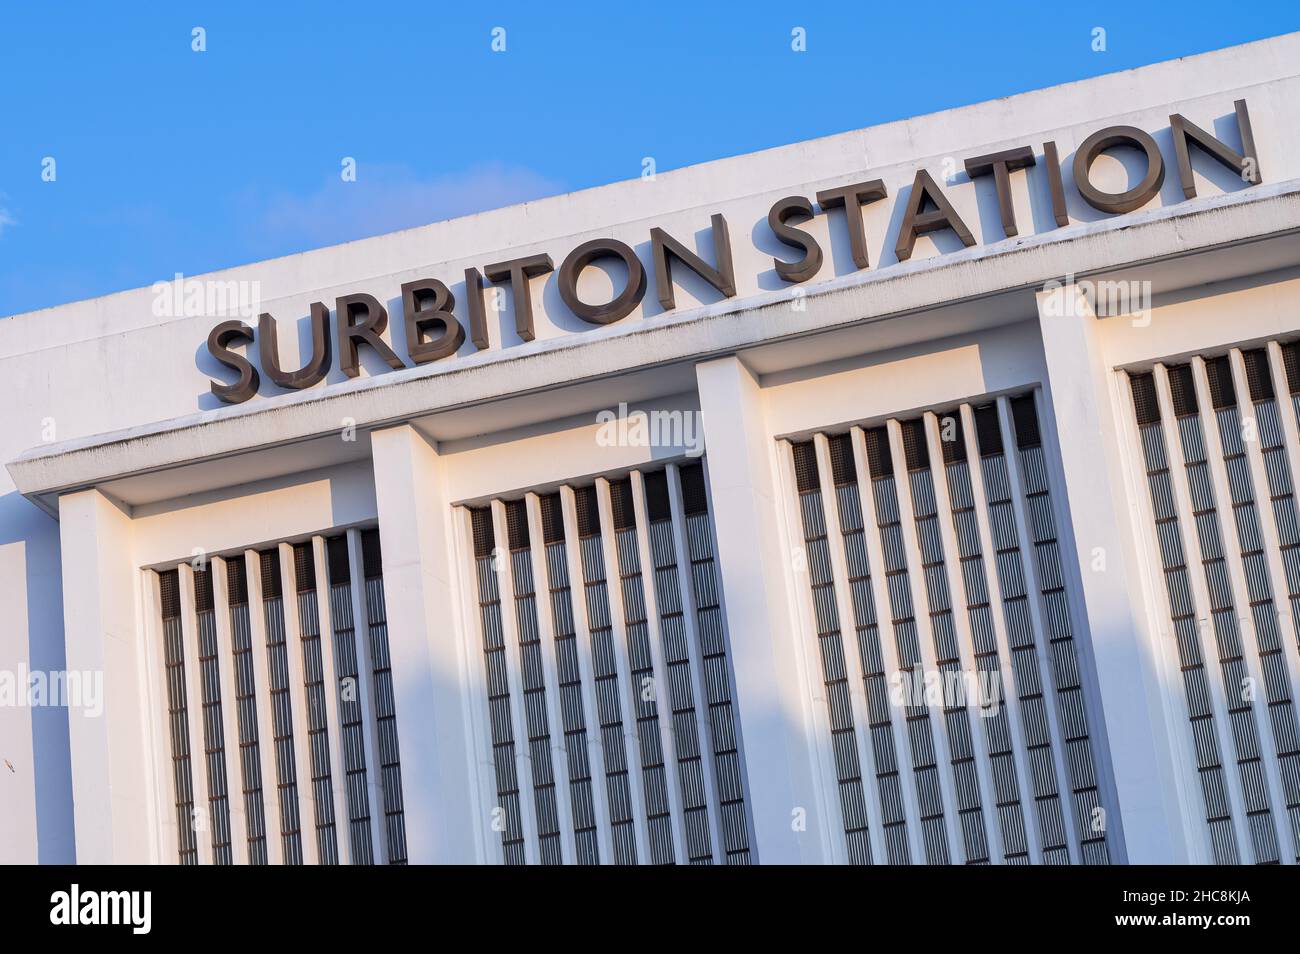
column 171, row 160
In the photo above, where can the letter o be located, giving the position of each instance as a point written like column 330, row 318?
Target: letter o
column 1108, row 138
column 621, row 306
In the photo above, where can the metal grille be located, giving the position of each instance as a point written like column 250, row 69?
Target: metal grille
column 214, row 744
column 611, row 703
column 569, row 676
column 1038, row 756
column 640, row 660
column 506, row 815
column 390, row 765
column 1214, row 443
column 645, row 697
column 322, row 794
column 250, row 754
column 1069, row 721
column 716, row 678
column 835, row 677
column 278, row 666
column 532, row 683
column 943, row 630
column 350, row 694
column 277, row 654
column 930, row 794
column 177, row 716
column 983, row 636
column 963, row 685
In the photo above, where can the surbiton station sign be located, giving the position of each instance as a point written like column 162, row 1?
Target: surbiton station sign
column 433, row 331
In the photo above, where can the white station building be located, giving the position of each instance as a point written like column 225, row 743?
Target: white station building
column 678, row 537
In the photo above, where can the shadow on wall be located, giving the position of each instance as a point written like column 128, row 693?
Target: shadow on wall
column 31, row 542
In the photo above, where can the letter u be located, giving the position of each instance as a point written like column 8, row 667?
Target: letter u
column 316, row 367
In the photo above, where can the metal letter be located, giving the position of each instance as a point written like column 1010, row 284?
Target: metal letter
column 421, row 314
column 860, row 193
column 722, row 278
column 368, row 331
column 519, row 271
column 478, row 332
column 623, row 304
column 1109, row 138
column 777, row 216
column 1053, row 163
column 316, row 367
column 219, row 340
column 916, row 222
column 1245, row 163
column 1001, row 165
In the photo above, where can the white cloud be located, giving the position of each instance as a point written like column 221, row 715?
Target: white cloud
column 386, row 198
column 6, row 219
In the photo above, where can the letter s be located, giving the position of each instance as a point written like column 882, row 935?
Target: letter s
column 218, row 346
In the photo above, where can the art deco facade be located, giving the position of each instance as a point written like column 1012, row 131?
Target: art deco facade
column 654, row 587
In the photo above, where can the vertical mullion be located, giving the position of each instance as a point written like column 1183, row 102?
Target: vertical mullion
column 943, row 764
column 966, row 649
column 900, row 733
column 172, row 646
column 694, row 649
column 156, row 695
column 1271, row 485
column 366, row 697
column 1229, row 741
column 330, row 688
column 297, row 691
column 1291, row 448
column 316, row 692
column 1011, row 700
column 1258, row 790
column 518, row 720
column 659, row 791
column 1067, row 651
column 662, row 686
column 904, row 654
column 1034, row 592
column 388, row 751
column 1168, row 505
column 194, row 716
column 713, row 646
column 836, row 678
column 855, row 671
column 265, row 715
column 476, row 587
column 549, row 655
column 604, row 613
column 626, row 690
column 346, row 620
column 596, row 755
column 816, row 675
column 532, row 682
column 1025, row 634
column 213, row 727
column 233, row 590
column 229, row 708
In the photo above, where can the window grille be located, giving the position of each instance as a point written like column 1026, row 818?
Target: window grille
column 1219, row 454
column 939, row 549
column 305, row 695
column 624, row 694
